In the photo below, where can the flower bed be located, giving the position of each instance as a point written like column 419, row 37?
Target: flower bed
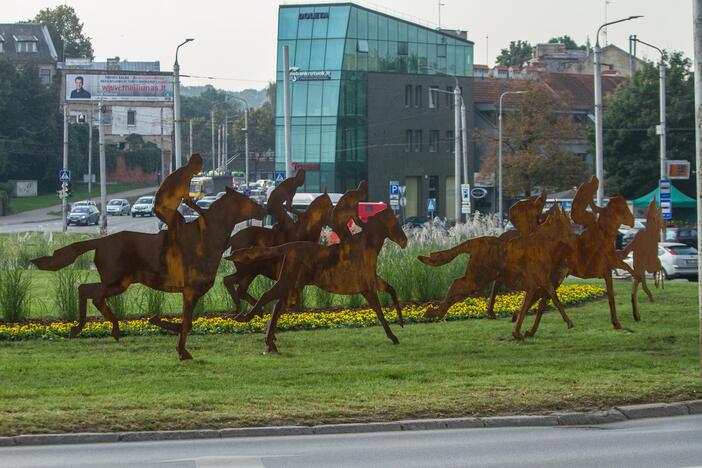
column 471, row 308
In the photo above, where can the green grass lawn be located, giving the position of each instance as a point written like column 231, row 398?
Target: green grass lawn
column 80, row 192
column 462, row 368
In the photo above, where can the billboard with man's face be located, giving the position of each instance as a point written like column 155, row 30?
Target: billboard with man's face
column 113, row 87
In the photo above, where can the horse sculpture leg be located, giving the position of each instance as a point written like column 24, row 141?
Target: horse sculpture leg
column 385, row 287
column 491, row 301
column 527, row 302
column 557, row 302
column 537, row 319
column 230, row 282
column 278, row 291
column 372, row 298
column 98, row 293
column 190, row 298
column 269, row 332
column 635, row 299
column 644, row 285
column 610, row 298
column 458, row 290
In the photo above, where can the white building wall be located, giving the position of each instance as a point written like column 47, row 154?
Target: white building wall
column 147, row 122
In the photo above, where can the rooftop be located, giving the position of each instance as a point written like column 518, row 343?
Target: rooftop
column 11, row 34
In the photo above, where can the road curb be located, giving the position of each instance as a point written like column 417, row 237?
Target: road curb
column 616, row 414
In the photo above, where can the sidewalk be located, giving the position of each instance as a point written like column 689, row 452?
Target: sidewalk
column 41, row 214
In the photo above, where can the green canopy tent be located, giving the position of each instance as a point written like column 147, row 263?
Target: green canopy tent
column 684, row 207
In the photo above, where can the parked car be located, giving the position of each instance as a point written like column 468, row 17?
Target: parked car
column 220, row 195
column 83, row 203
column 204, row 204
column 677, row 261
column 144, row 206
column 118, row 207
column 629, row 233
column 416, row 221
column 189, row 215
column 684, row 235
column 83, row 215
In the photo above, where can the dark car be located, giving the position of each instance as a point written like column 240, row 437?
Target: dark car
column 83, row 215
column 683, row 235
column 416, row 221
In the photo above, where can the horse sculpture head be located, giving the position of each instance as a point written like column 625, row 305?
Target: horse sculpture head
column 616, row 213
column 236, row 207
column 387, row 223
column 318, row 214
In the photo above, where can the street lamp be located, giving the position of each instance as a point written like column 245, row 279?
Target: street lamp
column 599, row 161
column 246, row 135
column 176, row 104
column 499, row 155
column 661, row 130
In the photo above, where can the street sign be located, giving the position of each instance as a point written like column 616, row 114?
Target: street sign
column 64, row 175
column 667, row 209
column 665, row 189
column 394, row 189
column 403, row 189
column 394, row 203
column 478, row 192
column 279, row 177
column 403, row 202
column 465, row 208
column 465, row 193
column 678, row 169
column 431, row 205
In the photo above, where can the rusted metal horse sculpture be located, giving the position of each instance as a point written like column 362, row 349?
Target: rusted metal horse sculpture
column 280, row 201
column 645, row 258
column 127, row 257
column 307, row 228
column 345, row 268
column 595, row 255
column 526, row 263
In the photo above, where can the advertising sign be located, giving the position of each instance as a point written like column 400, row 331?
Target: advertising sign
column 678, row 169
column 118, row 87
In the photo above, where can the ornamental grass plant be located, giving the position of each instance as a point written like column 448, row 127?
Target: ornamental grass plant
column 15, row 292
column 66, row 292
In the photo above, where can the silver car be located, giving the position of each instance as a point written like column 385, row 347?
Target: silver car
column 677, row 261
column 118, row 207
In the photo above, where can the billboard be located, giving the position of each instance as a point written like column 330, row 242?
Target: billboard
column 82, row 87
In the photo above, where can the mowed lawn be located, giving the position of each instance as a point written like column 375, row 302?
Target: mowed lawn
column 447, row 369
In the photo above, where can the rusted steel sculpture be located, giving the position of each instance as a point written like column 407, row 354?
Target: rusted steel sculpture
column 280, row 200
column 531, row 263
column 347, row 208
column 595, row 255
column 645, row 258
column 348, row 267
column 127, row 257
column 307, row 228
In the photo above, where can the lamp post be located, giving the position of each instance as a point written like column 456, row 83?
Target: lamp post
column 499, row 155
column 246, row 138
column 661, row 129
column 599, row 161
column 176, row 104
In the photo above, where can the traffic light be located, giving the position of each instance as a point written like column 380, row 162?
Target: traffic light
column 62, row 190
column 69, row 189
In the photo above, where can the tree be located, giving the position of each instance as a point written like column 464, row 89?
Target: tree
column 66, row 31
column 517, row 53
column 631, row 146
column 536, row 154
column 567, row 41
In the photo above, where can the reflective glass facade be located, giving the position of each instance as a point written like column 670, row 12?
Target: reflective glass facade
column 330, row 115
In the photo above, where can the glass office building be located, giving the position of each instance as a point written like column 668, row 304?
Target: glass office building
column 333, row 49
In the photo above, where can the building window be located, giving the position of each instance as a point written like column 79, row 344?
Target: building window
column 362, row 46
column 402, row 48
column 434, row 97
column 26, row 46
column 417, row 96
column 417, row 141
column 433, row 187
column 408, row 141
column 449, row 141
column 433, row 141
column 441, row 50
column 408, row 95
column 131, row 118
column 45, row 76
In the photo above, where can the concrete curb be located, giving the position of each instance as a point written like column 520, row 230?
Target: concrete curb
column 617, row 414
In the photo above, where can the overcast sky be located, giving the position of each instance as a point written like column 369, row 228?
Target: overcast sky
column 235, row 39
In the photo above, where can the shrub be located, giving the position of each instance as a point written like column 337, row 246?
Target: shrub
column 118, row 305
column 15, row 286
column 152, row 301
column 66, row 292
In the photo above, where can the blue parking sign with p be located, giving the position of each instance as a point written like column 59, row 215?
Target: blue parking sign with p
column 394, row 187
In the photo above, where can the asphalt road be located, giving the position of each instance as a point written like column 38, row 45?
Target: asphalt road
column 675, row 442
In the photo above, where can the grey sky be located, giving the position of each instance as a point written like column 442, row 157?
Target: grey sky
column 236, row 39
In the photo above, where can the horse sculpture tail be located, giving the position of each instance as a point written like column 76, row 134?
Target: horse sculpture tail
column 256, row 254
column 65, row 255
column 443, row 257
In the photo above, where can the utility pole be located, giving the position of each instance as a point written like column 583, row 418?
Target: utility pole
column 286, row 112
column 599, row 148
column 214, row 156
column 457, row 151
column 190, row 139
column 103, row 173
column 225, row 138
column 464, row 142
column 697, row 38
column 246, row 144
column 176, row 106
column 499, row 155
column 219, row 145
column 64, row 202
column 440, row 5
column 163, row 163
column 90, row 154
